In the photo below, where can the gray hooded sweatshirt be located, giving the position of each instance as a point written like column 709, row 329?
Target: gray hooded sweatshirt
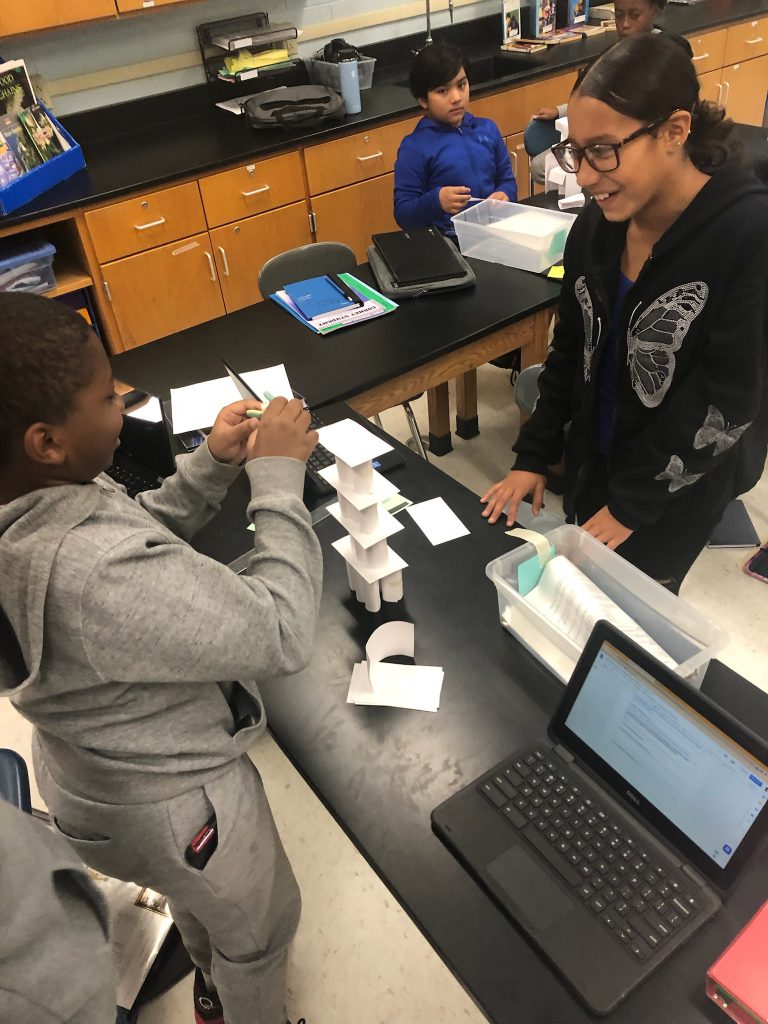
column 120, row 643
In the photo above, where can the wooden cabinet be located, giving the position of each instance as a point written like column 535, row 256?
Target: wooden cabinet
column 550, row 92
column 141, row 5
column 353, row 214
column 242, row 249
column 146, row 221
column 505, row 108
column 708, row 50
column 164, row 290
column 744, row 90
column 519, row 158
column 746, row 40
column 355, row 157
column 24, row 16
column 252, row 188
column 710, row 87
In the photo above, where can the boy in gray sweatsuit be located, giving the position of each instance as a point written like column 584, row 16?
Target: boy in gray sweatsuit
column 137, row 658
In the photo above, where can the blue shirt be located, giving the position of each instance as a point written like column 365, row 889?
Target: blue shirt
column 606, row 379
column 435, row 155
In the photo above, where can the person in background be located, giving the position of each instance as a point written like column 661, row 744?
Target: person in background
column 659, row 361
column 137, row 659
column 633, row 17
column 450, row 155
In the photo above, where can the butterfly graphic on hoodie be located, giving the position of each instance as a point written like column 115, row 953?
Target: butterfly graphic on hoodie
column 714, row 430
column 655, row 334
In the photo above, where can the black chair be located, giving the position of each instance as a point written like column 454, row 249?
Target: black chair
column 14, row 780
column 313, row 260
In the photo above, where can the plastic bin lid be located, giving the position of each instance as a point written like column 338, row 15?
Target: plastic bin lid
column 14, row 253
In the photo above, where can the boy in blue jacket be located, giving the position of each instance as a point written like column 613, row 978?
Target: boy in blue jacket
column 450, row 155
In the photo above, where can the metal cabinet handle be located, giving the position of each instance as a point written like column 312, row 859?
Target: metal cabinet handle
column 719, row 94
column 513, row 158
column 210, row 264
column 255, row 191
column 700, row 56
column 727, row 93
column 751, row 42
column 371, row 156
column 152, row 224
column 226, row 261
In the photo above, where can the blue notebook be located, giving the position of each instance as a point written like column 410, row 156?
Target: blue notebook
column 317, row 297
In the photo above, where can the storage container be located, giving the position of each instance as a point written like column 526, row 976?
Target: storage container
column 684, row 633
column 33, row 183
column 26, row 265
column 513, row 234
column 324, row 72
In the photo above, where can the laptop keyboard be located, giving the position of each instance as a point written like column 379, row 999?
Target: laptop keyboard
column 320, row 458
column 134, row 482
column 642, row 902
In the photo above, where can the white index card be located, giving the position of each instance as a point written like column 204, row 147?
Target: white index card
column 436, row 521
column 196, row 406
column 352, row 442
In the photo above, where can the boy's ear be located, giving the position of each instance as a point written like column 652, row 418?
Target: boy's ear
column 43, row 446
column 422, row 102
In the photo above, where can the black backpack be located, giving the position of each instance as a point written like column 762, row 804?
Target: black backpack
column 294, row 106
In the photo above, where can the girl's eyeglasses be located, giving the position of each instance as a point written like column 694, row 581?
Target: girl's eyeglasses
column 601, row 156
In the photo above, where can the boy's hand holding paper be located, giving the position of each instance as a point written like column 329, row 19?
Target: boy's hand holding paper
column 282, row 431
column 231, row 431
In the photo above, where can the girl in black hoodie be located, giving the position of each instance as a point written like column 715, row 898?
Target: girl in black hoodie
column 660, row 358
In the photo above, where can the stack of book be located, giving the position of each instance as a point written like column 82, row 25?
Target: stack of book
column 28, row 136
column 332, row 301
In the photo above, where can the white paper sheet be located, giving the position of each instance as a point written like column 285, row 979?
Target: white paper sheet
column 374, row 682
column 151, row 411
column 436, row 521
column 382, row 488
column 196, row 406
column 393, row 563
column 384, row 525
column 352, row 442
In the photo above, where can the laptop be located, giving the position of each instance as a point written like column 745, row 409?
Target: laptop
column 616, row 838
column 415, row 257
column 145, row 456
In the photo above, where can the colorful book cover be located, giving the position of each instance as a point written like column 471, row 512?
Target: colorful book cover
column 571, row 12
column 510, row 17
column 544, row 17
column 16, row 90
column 19, row 142
column 318, row 296
column 9, row 169
column 40, row 129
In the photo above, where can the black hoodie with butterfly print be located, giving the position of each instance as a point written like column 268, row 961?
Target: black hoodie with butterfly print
column 691, row 414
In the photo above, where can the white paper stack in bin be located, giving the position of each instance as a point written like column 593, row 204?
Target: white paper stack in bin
column 524, row 237
column 684, row 633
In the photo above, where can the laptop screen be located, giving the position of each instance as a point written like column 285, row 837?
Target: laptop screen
column 707, row 785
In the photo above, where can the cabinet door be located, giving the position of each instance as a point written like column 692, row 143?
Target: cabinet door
column 251, row 189
column 355, row 157
column 710, row 87
column 708, row 50
column 142, row 5
column 519, row 158
column 505, row 108
column 156, row 293
column 744, row 90
column 746, row 40
column 23, row 16
column 351, row 215
column 549, row 93
column 242, row 249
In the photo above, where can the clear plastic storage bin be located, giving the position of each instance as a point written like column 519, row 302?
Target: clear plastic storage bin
column 685, row 634
column 515, row 235
column 26, row 265
column 324, row 72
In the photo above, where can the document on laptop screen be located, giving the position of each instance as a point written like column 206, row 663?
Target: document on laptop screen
column 711, row 788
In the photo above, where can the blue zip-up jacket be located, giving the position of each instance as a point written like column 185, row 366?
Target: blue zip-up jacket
column 435, row 155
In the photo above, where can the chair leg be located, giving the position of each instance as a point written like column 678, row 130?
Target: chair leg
column 377, row 420
column 415, row 432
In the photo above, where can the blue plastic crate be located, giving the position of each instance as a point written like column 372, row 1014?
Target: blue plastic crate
column 33, row 183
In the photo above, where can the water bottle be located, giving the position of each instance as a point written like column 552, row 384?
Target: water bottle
column 350, row 85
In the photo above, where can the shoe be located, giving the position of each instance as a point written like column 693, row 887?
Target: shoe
column 299, row 1021
column 208, row 1009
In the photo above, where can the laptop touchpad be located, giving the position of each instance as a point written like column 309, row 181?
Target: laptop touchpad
column 532, row 890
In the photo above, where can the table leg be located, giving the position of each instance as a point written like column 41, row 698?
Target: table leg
column 535, row 350
column 466, row 405
column 439, row 420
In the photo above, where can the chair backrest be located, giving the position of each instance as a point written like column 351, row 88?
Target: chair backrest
column 540, row 136
column 306, row 261
column 14, row 779
column 527, row 388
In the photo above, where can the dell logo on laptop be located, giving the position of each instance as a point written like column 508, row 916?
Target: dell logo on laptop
column 633, row 797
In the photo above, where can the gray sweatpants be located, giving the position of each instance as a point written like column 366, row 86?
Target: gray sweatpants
column 238, row 914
